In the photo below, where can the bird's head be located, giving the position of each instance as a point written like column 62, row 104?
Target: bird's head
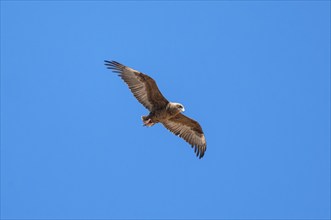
column 176, row 107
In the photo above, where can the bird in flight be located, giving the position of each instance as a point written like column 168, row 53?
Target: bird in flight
column 169, row 114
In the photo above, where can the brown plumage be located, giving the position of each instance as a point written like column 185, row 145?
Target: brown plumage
column 161, row 110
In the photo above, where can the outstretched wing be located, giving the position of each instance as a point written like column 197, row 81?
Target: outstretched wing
column 142, row 86
column 189, row 130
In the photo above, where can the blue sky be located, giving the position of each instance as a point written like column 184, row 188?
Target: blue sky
column 255, row 74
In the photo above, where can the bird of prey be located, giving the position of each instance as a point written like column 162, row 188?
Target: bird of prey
column 160, row 109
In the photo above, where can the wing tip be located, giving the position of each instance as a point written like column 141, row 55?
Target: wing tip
column 199, row 150
column 114, row 65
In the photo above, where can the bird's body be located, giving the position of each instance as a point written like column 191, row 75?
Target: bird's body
column 161, row 110
column 163, row 114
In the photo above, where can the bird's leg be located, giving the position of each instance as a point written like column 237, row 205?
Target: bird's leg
column 147, row 121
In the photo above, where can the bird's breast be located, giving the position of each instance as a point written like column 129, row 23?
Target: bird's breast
column 163, row 114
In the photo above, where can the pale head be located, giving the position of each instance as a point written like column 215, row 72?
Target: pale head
column 175, row 105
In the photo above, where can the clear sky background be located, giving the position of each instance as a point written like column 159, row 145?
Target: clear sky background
column 256, row 75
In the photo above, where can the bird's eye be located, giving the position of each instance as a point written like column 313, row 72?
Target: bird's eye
column 180, row 106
